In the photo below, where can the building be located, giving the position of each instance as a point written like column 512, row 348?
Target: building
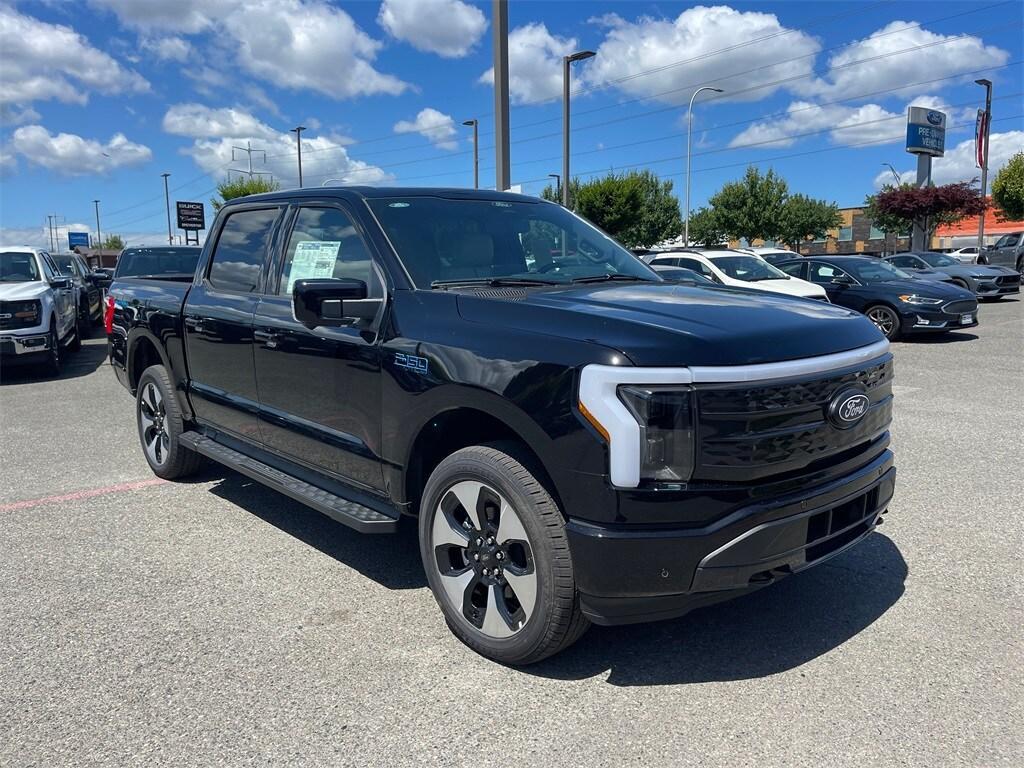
column 98, row 257
column 965, row 233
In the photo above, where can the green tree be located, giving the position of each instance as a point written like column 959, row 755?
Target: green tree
column 705, row 228
column 113, row 243
column 805, row 218
column 1008, row 189
column 636, row 208
column 751, row 208
column 230, row 189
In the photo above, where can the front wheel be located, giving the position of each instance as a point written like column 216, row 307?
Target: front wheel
column 53, row 358
column 885, row 319
column 497, row 559
column 161, row 424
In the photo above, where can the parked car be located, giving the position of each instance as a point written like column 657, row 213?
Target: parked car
column 741, row 270
column 772, row 255
column 986, row 282
column 969, row 255
column 88, row 296
column 104, row 276
column 895, row 301
column 165, row 261
column 1008, row 251
column 580, row 440
column 38, row 316
column 682, row 274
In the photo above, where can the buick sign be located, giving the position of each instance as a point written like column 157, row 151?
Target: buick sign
column 847, row 408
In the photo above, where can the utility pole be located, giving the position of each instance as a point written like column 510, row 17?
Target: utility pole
column 567, row 62
column 476, row 151
column 167, row 200
column 49, row 229
column 984, row 160
column 689, row 134
column 499, row 18
column 248, row 151
column 99, row 237
column 558, row 184
column 298, row 143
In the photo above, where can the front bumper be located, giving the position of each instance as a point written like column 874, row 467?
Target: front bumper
column 628, row 575
column 999, row 287
column 918, row 319
column 23, row 347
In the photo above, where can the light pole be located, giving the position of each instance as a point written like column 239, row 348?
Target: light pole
column 567, row 62
column 297, row 130
column 99, row 237
column 476, row 154
column 558, row 184
column 984, row 160
column 167, row 200
column 899, row 179
column 689, row 132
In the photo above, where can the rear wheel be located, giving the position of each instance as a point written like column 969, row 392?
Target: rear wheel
column 885, row 319
column 161, row 424
column 53, row 360
column 497, row 559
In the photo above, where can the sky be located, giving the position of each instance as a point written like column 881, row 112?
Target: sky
column 98, row 98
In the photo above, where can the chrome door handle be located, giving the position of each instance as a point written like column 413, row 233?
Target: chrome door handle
column 269, row 338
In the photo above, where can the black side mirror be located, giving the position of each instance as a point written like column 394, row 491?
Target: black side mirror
column 842, row 280
column 331, row 301
column 60, row 282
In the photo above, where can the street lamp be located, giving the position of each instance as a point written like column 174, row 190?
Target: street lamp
column 558, row 184
column 167, row 200
column 987, row 84
column 476, row 155
column 899, row 179
column 689, row 131
column 99, row 237
column 298, row 143
column 567, row 62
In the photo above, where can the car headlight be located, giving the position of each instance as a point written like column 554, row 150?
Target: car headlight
column 646, row 415
column 24, row 310
column 913, row 298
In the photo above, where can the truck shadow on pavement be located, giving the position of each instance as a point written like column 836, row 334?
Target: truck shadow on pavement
column 75, row 364
column 770, row 631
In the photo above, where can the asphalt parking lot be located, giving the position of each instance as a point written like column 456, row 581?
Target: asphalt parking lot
column 216, row 622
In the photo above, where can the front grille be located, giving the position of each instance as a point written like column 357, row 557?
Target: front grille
column 834, row 528
column 748, row 432
column 1008, row 280
column 8, row 322
column 959, row 307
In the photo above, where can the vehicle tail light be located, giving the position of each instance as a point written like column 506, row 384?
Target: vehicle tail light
column 108, row 315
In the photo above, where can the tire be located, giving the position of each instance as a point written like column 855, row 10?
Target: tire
column 160, row 424
column 962, row 284
column 84, row 321
column 885, row 319
column 75, row 342
column 493, row 614
column 53, row 361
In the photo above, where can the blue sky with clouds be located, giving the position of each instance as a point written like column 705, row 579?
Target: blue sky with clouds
column 99, row 97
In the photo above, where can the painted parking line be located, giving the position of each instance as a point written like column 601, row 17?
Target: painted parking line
column 79, row 495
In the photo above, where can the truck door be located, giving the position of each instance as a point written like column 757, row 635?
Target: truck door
column 320, row 388
column 218, row 317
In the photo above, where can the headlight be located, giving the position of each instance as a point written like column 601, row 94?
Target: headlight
column 913, row 298
column 24, row 310
column 984, row 277
column 646, row 415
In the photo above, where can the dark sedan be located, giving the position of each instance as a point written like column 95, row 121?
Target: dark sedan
column 896, row 302
column 985, row 282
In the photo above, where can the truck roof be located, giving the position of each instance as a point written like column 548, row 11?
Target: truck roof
column 367, row 192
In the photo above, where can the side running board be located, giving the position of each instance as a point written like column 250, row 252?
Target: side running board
column 358, row 516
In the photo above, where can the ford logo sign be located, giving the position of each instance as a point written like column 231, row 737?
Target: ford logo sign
column 847, row 408
column 935, row 118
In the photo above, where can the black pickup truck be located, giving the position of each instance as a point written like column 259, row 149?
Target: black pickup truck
column 580, row 440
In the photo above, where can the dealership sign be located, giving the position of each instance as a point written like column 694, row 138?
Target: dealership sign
column 78, row 238
column 926, row 131
column 191, row 216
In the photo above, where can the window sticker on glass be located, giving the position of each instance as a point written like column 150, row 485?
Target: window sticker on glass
column 313, row 259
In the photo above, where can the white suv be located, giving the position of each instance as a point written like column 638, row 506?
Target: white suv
column 37, row 309
column 741, row 270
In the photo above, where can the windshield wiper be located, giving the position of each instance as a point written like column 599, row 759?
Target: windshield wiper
column 603, row 278
column 492, row 282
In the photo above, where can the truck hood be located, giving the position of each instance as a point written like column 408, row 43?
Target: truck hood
column 794, row 286
column 22, row 291
column 669, row 324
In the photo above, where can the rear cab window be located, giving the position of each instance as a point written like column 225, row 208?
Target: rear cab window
column 141, row 262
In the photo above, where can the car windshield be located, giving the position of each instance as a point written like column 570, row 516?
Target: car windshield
column 63, row 264
column 748, row 268
column 874, row 271
column 939, row 259
column 444, row 241
column 18, row 267
column 134, row 262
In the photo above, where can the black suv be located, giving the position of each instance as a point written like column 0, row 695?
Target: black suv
column 579, row 439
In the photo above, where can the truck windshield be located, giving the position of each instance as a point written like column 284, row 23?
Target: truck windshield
column 18, row 267
column 442, row 241
column 138, row 262
column 748, row 268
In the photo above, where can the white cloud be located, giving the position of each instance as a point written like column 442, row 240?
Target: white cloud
column 168, row 48
column 72, row 155
column 436, row 126
column 958, row 164
column 449, row 28
column 937, row 59
column 535, row 64
column 50, row 61
column 198, row 121
column 13, row 115
column 187, row 16
column 215, row 131
column 694, row 37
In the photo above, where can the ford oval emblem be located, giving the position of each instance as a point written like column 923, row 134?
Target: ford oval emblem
column 935, row 118
column 847, row 408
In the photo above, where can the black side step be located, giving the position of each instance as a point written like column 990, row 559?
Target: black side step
column 362, row 518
